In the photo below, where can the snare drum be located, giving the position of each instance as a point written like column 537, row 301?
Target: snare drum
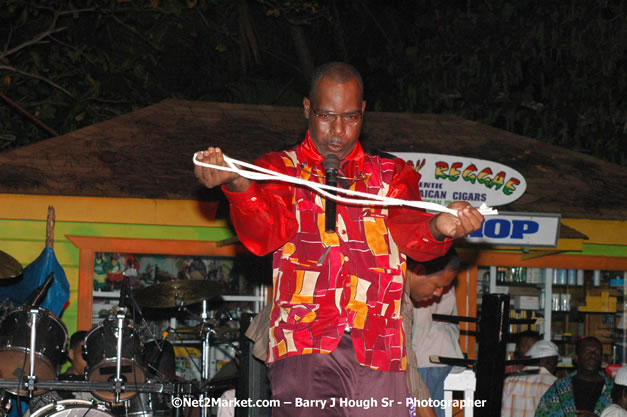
column 73, row 408
column 50, row 345
column 100, row 351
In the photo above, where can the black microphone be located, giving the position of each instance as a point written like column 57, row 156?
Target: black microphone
column 123, row 300
column 37, row 297
column 331, row 164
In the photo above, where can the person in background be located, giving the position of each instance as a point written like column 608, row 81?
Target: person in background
column 522, row 391
column 75, row 372
column 583, row 393
column 618, row 408
column 429, row 337
column 524, row 341
column 335, row 323
column 619, row 396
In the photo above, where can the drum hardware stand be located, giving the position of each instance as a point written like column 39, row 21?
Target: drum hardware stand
column 37, row 298
column 176, row 388
column 136, row 307
column 32, row 379
column 204, row 370
column 206, row 334
column 177, row 393
column 121, row 314
column 4, row 403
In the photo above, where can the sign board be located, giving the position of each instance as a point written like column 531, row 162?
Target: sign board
column 519, row 229
column 447, row 178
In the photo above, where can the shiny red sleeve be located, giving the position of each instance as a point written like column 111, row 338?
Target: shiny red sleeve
column 410, row 226
column 263, row 215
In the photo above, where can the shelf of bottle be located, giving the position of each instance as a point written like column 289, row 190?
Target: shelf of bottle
column 541, row 310
column 538, row 285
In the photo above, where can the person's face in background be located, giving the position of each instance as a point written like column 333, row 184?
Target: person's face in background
column 588, row 357
column 78, row 362
column 335, row 114
column 550, row 364
column 432, row 285
column 524, row 345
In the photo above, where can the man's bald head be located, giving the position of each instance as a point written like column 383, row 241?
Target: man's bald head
column 336, row 71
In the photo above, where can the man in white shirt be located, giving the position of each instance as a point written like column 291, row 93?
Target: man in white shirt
column 522, row 391
column 432, row 337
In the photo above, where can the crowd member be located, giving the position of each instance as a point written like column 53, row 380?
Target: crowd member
column 583, row 393
column 335, row 326
column 429, row 279
column 432, row 337
column 78, row 364
column 522, row 391
column 618, row 408
column 524, row 341
column 75, row 372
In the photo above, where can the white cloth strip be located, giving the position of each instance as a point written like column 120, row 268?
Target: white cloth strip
column 257, row 173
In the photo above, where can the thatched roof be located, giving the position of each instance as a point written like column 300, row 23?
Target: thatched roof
column 147, row 154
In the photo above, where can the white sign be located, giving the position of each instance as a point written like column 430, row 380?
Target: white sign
column 519, row 229
column 447, row 178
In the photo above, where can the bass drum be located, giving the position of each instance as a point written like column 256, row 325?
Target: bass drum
column 73, row 408
column 50, row 346
column 100, row 352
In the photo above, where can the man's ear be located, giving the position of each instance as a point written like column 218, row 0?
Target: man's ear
column 306, row 107
column 70, row 354
column 363, row 106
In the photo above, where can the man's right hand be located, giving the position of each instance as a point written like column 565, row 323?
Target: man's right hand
column 211, row 177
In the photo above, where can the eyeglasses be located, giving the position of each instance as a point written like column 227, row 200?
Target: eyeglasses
column 329, row 117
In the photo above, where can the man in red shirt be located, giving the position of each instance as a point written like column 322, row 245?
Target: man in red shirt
column 336, row 339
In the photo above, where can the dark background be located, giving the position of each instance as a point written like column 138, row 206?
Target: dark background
column 551, row 70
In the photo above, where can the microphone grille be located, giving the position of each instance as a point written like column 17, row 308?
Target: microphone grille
column 330, row 162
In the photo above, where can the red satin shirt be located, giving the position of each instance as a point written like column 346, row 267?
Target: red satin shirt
column 325, row 283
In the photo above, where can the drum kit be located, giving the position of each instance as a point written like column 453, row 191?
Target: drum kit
column 119, row 374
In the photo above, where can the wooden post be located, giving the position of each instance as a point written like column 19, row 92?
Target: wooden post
column 50, row 228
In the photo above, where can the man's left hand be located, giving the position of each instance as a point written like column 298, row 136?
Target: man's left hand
column 468, row 220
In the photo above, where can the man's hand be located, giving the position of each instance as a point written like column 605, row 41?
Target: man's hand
column 211, row 177
column 468, row 220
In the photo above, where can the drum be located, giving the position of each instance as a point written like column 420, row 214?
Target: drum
column 73, row 408
column 100, row 352
column 50, row 345
column 146, row 404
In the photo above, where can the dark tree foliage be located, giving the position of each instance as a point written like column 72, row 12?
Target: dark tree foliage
column 553, row 70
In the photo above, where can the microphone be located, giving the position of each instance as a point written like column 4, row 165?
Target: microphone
column 37, row 297
column 331, row 164
column 124, row 291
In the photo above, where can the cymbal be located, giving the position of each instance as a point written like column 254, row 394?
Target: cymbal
column 9, row 266
column 177, row 293
column 220, row 333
